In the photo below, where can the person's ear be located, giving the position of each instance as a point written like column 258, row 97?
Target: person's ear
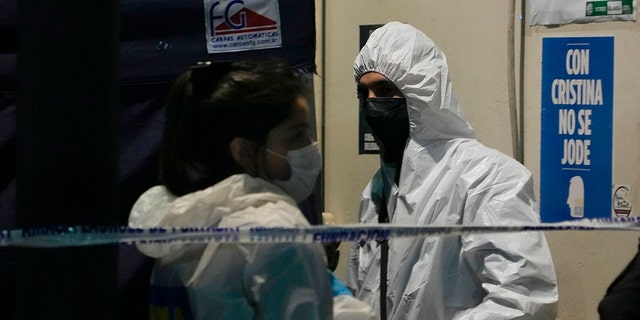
column 243, row 152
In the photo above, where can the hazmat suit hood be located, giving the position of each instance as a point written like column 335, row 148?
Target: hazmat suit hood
column 414, row 63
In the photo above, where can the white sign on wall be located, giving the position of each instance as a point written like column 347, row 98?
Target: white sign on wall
column 240, row 25
column 622, row 201
column 554, row 12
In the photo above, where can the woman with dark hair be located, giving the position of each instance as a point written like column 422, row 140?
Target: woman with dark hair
column 237, row 153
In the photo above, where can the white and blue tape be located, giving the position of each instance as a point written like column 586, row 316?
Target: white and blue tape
column 62, row 236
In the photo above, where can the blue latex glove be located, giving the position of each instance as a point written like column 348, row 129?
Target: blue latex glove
column 337, row 286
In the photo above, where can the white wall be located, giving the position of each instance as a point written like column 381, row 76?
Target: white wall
column 474, row 36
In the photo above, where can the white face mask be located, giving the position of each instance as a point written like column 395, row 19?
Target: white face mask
column 305, row 164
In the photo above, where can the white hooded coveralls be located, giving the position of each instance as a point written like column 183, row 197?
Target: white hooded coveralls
column 448, row 177
column 233, row 281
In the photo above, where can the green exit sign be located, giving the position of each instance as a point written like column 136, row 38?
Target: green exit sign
column 609, row 8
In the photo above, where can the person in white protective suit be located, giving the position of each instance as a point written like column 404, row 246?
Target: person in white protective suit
column 238, row 154
column 434, row 172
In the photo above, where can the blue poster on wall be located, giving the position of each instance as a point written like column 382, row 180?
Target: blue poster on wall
column 577, row 115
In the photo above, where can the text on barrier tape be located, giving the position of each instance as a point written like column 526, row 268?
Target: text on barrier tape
column 62, row 236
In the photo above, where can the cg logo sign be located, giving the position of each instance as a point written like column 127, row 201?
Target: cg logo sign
column 226, row 9
column 240, row 25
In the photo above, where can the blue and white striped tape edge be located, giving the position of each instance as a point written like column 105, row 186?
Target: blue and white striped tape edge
column 63, row 236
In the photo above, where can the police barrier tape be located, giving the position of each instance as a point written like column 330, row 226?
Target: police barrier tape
column 62, row 236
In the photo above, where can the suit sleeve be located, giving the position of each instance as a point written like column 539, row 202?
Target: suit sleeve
column 515, row 269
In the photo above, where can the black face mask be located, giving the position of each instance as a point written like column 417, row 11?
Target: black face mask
column 389, row 122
